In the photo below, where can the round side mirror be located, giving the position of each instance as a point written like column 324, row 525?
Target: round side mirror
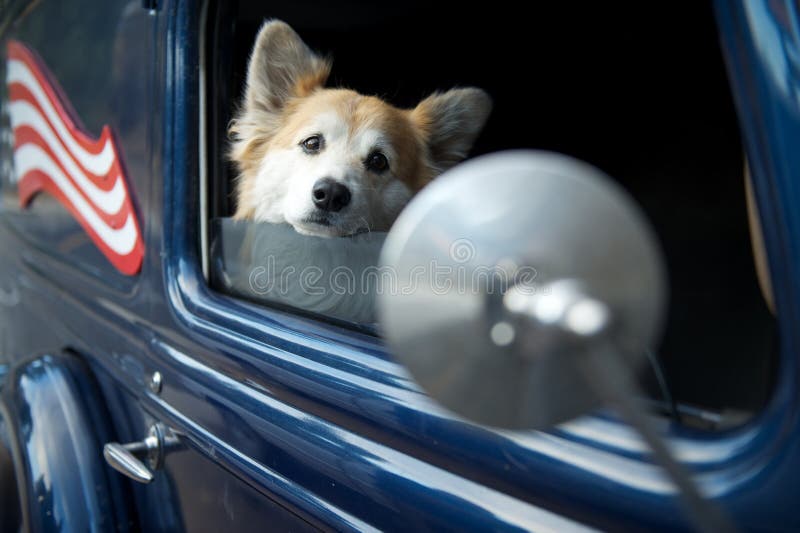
column 510, row 266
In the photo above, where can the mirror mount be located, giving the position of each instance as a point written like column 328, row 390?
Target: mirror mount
column 563, row 305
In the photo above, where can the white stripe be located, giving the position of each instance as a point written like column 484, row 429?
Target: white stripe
column 31, row 157
column 629, row 472
column 99, row 164
column 24, row 114
column 620, row 436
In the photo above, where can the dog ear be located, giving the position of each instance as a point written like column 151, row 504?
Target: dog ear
column 281, row 66
column 450, row 122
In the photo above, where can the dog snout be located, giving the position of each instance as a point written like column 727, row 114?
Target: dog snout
column 330, row 195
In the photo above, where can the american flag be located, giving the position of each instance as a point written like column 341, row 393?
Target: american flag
column 53, row 153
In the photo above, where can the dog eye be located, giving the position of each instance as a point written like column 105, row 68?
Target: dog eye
column 377, row 162
column 312, row 145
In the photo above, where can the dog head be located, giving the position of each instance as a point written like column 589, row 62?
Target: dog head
column 332, row 162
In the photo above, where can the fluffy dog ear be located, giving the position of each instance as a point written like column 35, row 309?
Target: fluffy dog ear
column 281, row 66
column 450, row 122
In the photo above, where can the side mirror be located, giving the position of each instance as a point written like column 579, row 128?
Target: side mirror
column 529, row 287
column 506, row 266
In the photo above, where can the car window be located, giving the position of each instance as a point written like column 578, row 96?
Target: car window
column 561, row 80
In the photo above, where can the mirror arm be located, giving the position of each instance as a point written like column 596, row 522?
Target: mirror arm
column 612, row 380
column 565, row 305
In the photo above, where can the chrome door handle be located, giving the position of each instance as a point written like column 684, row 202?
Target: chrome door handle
column 123, row 457
column 120, row 458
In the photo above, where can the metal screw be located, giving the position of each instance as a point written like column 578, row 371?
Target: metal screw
column 155, row 382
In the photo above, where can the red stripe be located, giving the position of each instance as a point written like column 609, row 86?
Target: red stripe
column 55, row 94
column 27, row 135
column 18, row 92
column 35, row 181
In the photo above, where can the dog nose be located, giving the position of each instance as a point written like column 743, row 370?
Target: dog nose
column 330, row 195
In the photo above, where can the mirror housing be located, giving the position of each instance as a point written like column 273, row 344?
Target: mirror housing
column 508, row 267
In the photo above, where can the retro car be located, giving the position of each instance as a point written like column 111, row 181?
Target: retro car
column 149, row 382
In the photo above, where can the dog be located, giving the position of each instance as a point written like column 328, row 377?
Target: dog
column 332, row 162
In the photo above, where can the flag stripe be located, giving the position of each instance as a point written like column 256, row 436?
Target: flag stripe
column 25, row 115
column 19, row 93
column 30, row 157
column 53, row 154
column 95, row 157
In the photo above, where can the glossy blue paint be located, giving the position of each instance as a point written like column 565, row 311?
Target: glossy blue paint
column 66, row 487
column 299, row 424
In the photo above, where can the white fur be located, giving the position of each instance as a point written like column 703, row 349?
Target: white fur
column 286, row 178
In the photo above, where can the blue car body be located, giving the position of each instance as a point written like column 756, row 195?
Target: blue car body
column 290, row 423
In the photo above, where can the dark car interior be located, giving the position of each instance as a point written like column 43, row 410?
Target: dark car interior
column 640, row 91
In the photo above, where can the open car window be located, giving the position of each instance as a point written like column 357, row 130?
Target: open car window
column 665, row 129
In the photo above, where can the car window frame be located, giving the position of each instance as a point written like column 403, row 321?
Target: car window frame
column 356, row 366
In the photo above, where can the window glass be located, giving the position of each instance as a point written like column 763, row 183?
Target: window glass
column 336, row 278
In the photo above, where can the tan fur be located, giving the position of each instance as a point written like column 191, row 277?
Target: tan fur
column 285, row 90
column 360, row 112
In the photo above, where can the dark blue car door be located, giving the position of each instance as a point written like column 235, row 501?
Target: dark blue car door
column 287, row 422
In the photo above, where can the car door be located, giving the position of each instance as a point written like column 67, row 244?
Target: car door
column 318, row 415
column 77, row 72
column 290, row 420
